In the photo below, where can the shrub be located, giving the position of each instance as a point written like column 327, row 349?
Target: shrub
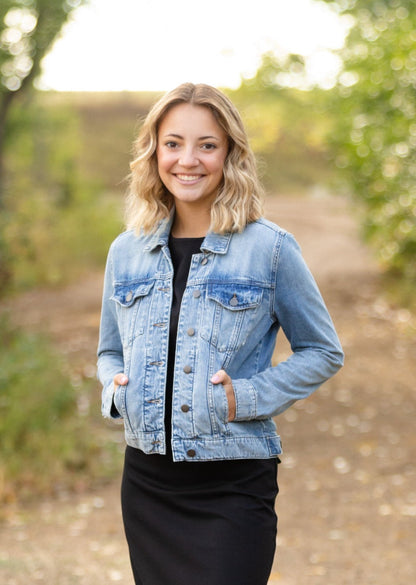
column 46, row 444
column 374, row 134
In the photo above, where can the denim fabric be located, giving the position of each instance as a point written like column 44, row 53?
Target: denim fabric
column 241, row 289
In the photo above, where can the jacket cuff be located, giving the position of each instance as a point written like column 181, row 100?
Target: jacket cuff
column 108, row 407
column 246, row 400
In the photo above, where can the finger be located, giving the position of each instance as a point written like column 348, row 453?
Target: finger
column 231, row 404
column 220, row 377
column 120, row 380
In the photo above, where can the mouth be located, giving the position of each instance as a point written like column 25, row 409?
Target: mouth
column 188, row 178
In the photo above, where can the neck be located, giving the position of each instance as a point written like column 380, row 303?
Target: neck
column 190, row 223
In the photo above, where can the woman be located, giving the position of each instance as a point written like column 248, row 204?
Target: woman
column 195, row 292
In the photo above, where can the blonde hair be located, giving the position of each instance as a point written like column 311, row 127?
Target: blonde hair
column 239, row 199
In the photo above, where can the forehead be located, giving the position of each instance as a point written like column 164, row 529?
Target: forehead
column 189, row 116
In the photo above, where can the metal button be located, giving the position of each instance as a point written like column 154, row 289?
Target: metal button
column 187, row 369
column 234, row 301
column 196, row 294
column 129, row 296
column 191, row 452
column 185, row 408
column 204, row 261
column 191, row 331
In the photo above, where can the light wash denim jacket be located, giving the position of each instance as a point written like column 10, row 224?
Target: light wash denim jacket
column 240, row 290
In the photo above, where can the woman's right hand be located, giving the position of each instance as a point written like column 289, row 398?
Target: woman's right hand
column 120, row 380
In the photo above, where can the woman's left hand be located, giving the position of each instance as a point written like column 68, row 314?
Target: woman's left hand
column 221, row 377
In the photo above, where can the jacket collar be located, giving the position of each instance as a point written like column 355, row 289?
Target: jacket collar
column 213, row 242
column 216, row 243
column 160, row 237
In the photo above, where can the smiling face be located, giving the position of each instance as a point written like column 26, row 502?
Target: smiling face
column 191, row 151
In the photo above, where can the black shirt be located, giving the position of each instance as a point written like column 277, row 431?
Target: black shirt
column 181, row 251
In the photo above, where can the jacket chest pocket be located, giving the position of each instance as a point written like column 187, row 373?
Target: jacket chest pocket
column 132, row 305
column 230, row 314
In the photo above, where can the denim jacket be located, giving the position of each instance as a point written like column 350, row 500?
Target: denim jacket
column 241, row 289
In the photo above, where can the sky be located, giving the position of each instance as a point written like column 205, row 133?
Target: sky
column 147, row 45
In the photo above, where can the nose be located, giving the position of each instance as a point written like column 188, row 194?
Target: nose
column 188, row 157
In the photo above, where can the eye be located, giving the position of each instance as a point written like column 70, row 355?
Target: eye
column 208, row 146
column 171, row 144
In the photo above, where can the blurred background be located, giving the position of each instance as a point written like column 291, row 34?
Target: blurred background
column 327, row 91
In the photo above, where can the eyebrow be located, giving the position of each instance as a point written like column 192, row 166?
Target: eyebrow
column 200, row 138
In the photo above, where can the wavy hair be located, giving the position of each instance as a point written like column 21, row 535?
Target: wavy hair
column 239, row 198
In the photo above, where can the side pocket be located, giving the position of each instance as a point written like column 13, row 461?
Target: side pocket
column 115, row 407
column 218, row 409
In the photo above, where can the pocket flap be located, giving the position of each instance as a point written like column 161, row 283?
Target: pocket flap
column 235, row 297
column 126, row 293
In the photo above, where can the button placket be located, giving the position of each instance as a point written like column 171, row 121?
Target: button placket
column 191, row 332
column 184, row 398
column 156, row 354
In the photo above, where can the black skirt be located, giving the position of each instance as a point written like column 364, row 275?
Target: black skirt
column 204, row 523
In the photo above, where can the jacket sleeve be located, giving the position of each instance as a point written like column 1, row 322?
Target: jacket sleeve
column 110, row 348
column 317, row 354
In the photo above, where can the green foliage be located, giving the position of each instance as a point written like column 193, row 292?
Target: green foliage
column 286, row 126
column 52, row 245
column 46, row 443
column 27, row 30
column 56, row 224
column 374, row 136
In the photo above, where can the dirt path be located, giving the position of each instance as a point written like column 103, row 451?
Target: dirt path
column 347, row 505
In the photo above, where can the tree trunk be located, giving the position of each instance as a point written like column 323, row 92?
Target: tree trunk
column 5, row 103
column 5, row 270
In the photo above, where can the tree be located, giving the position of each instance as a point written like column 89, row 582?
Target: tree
column 374, row 136
column 285, row 124
column 27, row 31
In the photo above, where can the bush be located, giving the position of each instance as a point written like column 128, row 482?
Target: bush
column 56, row 223
column 53, row 245
column 46, row 444
column 374, row 135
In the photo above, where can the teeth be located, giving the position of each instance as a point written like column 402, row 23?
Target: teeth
column 188, row 177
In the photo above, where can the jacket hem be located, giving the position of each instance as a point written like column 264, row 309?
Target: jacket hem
column 208, row 449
